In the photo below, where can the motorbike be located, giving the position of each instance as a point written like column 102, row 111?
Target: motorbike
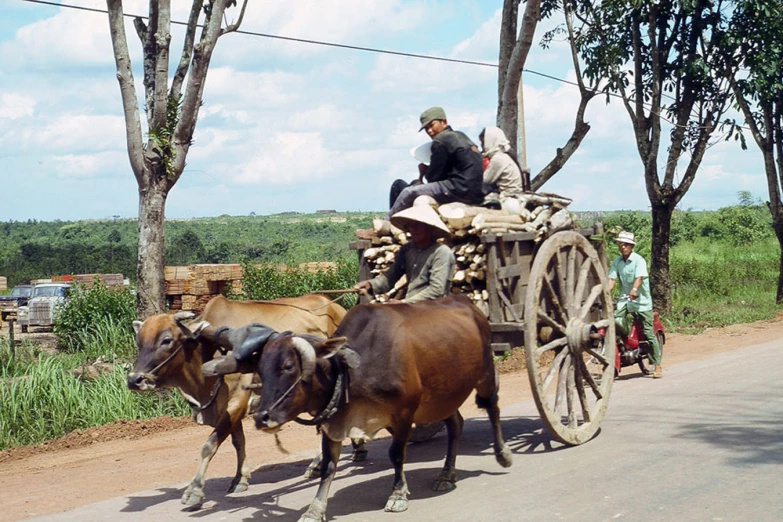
column 632, row 348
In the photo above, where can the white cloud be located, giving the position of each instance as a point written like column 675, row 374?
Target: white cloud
column 286, row 158
column 88, row 165
column 14, row 106
column 77, row 132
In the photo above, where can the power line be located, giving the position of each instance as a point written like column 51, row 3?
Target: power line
column 337, row 45
column 288, row 38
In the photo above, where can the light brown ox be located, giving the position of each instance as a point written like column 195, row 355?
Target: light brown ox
column 172, row 349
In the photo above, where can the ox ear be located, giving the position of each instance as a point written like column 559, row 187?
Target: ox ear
column 329, row 347
column 198, row 327
column 137, row 326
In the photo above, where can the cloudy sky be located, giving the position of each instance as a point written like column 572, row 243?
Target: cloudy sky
column 290, row 126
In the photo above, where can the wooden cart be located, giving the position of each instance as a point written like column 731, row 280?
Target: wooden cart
column 552, row 297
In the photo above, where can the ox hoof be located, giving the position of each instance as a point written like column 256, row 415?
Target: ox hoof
column 359, row 455
column 193, row 497
column 446, row 481
column 237, row 486
column 313, row 471
column 397, row 503
column 313, row 516
column 504, row 456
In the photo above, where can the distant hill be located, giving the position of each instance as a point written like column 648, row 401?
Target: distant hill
column 38, row 249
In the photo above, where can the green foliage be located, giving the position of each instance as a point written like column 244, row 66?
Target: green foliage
column 36, row 250
column 740, row 225
column 719, row 283
column 186, row 249
column 43, row 400
column 264, row 282
column 89, row 310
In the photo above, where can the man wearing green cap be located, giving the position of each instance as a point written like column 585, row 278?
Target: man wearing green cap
column 455, row 172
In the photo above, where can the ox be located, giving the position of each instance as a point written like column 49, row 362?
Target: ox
column 172, row 349
column 387, row 366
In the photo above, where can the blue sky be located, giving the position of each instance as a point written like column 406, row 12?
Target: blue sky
column 289, row 126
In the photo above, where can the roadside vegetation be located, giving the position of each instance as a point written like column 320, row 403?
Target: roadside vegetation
column 724, row 269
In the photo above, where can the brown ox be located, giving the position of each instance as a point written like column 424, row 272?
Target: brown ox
column 171, row 352
column 388, row 366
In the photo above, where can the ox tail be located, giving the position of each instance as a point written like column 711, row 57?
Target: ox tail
column 486, row 403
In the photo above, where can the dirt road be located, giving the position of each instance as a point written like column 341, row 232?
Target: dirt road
column 103, row 463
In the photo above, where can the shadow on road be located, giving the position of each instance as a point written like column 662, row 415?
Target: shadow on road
column 524, row 435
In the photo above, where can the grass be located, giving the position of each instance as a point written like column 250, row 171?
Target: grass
column 715, row 284
column 42, row 400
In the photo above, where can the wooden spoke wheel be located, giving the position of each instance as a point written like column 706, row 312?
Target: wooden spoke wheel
column 569, row 337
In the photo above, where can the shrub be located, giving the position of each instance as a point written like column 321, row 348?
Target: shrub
column 87, row 308
column 266, row 281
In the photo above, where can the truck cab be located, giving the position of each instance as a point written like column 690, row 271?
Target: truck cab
column 19, row 296
column 43, row 304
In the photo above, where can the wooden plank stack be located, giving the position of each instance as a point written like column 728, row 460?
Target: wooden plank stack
column 191, row 287
column 542, row 214
column 88, row 280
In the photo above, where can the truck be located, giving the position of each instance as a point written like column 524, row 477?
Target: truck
column 9, row 304
column 43, row 304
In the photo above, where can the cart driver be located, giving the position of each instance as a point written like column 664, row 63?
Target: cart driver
column 631, row 270
column 427, row 264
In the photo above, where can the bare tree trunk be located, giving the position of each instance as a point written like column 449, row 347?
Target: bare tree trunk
column 659, row 257
column 507, row 103
column 508, row 40
column 150, row 285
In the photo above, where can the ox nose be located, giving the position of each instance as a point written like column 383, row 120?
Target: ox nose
column 134, row 380
column 262, row 419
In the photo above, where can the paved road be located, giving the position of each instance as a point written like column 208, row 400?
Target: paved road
column 703, row 444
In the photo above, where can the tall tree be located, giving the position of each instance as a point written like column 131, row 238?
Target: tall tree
column 754, row 39
column 514, row 50
column 158, row 161
column 658, row 57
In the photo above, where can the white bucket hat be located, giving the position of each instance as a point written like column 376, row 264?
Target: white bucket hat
column 421, row 214
column 625, row 237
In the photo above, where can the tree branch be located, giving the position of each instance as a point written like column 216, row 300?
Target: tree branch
column 187, row 50
column 130, row 103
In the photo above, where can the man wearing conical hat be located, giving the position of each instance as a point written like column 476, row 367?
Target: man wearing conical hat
column 427, row 264
column 630, row 269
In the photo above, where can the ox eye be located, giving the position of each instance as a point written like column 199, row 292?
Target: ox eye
column 289, row 366
column 165, row 342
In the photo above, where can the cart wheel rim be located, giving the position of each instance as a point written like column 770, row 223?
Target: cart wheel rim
column 569, row 337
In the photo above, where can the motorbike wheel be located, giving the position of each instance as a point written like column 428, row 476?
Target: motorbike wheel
column 644, row 362
column 644, row 365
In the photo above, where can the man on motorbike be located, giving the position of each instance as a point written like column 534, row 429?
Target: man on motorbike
column 631, row 270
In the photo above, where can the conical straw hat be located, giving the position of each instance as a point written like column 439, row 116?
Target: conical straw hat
column 421, row 214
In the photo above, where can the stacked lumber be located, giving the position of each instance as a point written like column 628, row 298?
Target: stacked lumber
column 110, row 280
column 191, row 287
column 541, row 214
column 88, row 280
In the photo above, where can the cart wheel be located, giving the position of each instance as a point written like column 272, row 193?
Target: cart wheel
column 570, row 365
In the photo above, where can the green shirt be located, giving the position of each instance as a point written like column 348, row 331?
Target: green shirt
column 626, row 272
column 429, row 272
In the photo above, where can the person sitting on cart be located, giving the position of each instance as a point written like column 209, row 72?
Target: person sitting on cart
column 504, row 179
column 631, row 270
column 455, row 172
column 427, row 264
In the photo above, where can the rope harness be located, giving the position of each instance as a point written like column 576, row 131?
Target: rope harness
column 340, row 389
column 215, row 388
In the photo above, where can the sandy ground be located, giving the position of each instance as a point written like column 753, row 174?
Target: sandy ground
column 101, row 463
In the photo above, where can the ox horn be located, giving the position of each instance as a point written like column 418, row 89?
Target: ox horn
column 183, row 316
column 307, row 353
